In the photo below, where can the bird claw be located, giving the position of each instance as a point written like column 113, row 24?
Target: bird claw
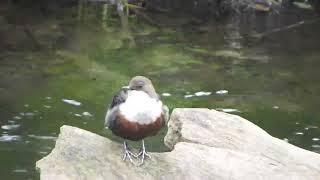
column 141, row 155
column 128, row 154
column 144, row 153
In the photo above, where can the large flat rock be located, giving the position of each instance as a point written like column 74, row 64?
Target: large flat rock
column 206, row 145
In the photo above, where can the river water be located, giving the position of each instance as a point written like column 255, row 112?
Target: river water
column 61, row 66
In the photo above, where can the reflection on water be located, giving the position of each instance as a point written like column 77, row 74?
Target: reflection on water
column 72, row 102
column 64, row 68
column 10, row 126
column 9, row 138
column 42, row 137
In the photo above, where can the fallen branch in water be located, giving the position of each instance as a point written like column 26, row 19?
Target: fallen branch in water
column 104, row 1
column 133, row 6
column 118, row 3
column 121, row 6
column 145, row 17
column 275, row 30
column 33, row 39
column 157, row 9
column 259, row 35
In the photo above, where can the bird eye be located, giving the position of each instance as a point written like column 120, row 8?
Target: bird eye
column 137, row 87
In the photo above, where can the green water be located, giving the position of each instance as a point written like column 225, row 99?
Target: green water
column 83, row 54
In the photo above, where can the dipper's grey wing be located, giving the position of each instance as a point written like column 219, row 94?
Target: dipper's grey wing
column 117, row 99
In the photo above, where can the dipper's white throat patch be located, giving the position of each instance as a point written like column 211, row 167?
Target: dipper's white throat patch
column 139, row 107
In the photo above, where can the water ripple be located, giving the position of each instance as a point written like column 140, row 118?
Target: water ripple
column 228, row 110
column 202, row 93
column 222, row 92
column 20, row 171
column 10, row 126
column 42, row 137
column 72, row 102
column 188, row 96
column 299, row 133
column 9, row 138
column 166, row 94
column 87, row 114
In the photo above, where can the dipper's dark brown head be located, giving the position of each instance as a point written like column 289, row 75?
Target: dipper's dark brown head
column 141, row 83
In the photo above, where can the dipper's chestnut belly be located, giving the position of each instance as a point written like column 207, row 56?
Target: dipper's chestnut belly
column 135, row 131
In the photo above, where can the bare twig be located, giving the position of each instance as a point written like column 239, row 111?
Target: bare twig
column 145, row 17
column 275, row 30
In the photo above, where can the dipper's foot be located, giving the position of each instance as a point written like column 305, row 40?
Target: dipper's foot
column 143, row 154
column 127, row 153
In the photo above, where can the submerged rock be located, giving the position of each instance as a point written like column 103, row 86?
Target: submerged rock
column 206, row 144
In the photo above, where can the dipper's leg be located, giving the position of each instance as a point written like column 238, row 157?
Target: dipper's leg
column 142, row 154
column 128, row 153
